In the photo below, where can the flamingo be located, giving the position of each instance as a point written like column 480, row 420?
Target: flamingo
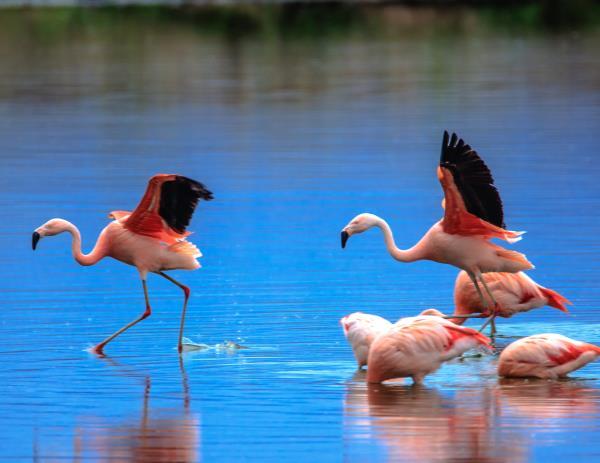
column 417, row 346
column 514, row 293
column 547, row 356
column 360, row 330
column 473, row 214
column 152, row 238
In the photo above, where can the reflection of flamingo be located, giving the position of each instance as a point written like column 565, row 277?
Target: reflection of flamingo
column 473, row 215
column 158, row 436
column 417, row 346
column 553, row 400
column 514, row 293
column 152, row 237
column 419, row 424
column 360, row 330
column 545, row 356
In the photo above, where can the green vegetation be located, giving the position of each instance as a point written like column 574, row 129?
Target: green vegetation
column 307, row 20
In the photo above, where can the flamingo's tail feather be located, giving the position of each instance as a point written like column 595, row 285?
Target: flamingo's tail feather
column 556, row 300
column 514, row 236
column 515, row 257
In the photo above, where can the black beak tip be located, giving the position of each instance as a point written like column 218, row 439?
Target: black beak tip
column 34, row 240
column 345, row 237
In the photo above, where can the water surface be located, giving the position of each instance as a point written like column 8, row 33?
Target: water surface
column 294, row 136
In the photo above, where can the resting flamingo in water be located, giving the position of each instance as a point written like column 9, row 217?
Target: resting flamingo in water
column 473, row 214
column 417, row 346
column 514, row 293
column 360, row 330
column 152, row 238
column 546, row 356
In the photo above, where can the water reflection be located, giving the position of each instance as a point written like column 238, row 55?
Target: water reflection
column 494, row 422
column 543, row 399
column 422, row 424
column 157, row 435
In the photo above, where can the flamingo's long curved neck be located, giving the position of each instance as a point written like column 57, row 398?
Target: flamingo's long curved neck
column 402, row 255
column 81, row 258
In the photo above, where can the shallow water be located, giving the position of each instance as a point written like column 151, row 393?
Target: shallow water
column 294, row 137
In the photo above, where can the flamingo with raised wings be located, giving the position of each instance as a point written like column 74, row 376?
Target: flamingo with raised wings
column 514, row 292
column 473, row 214
column 417, row 346
column 152, row 238
column 547, row 356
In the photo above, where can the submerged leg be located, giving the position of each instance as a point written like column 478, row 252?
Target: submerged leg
column 186, row 292
column 100, row 347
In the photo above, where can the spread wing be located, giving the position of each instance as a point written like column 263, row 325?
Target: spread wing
column 469, row 181
column 167, row 207
column 472, row 205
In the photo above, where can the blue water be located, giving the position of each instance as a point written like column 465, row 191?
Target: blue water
column 294, row 138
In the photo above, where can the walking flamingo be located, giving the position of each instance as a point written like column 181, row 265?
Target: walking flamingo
column 417, row 346
column 360, row 330
column 473, row 215
column 514, row 293
column 152, row 238
column 547, row 356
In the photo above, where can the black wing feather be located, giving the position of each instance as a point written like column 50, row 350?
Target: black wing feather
column 473, row 180
column 178, row 200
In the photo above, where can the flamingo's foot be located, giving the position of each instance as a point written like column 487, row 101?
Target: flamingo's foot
column 98, row 350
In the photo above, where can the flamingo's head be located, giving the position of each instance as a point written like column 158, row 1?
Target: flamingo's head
column 348, row 321
column 50, row 228
column 359, row 224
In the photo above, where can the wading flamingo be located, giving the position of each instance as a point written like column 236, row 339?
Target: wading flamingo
column 152, row 238
column 473, row 215
column 547, row 356
column 514, row 293
column 417, row 346
column 360, row 330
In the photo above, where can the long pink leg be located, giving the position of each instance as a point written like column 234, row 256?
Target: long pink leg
column 186, row 292
column 484, row 302
column 494, row 313
column 100, row 347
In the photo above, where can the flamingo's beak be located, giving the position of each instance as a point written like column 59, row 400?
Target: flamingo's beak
column 345, row 237
column 34, row 240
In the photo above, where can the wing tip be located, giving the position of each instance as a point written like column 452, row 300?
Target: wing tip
column 198, row 187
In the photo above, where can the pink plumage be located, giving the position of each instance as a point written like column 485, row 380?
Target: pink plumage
column 545, row 356
column 514, row 293
column 473, row 215
column 360, row 330
column 152, row 238
column 417, row 346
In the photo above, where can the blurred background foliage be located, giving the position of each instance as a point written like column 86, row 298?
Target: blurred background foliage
column 306, row 20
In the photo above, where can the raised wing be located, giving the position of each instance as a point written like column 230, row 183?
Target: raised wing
column 472, row 205
column 167, row 207
column 472, row 180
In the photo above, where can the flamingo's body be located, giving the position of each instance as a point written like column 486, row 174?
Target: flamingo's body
column 417, row 346
column 548, row 356
column 473, row 215
column 514, row 293
column 152, row 238
column 360, row 330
